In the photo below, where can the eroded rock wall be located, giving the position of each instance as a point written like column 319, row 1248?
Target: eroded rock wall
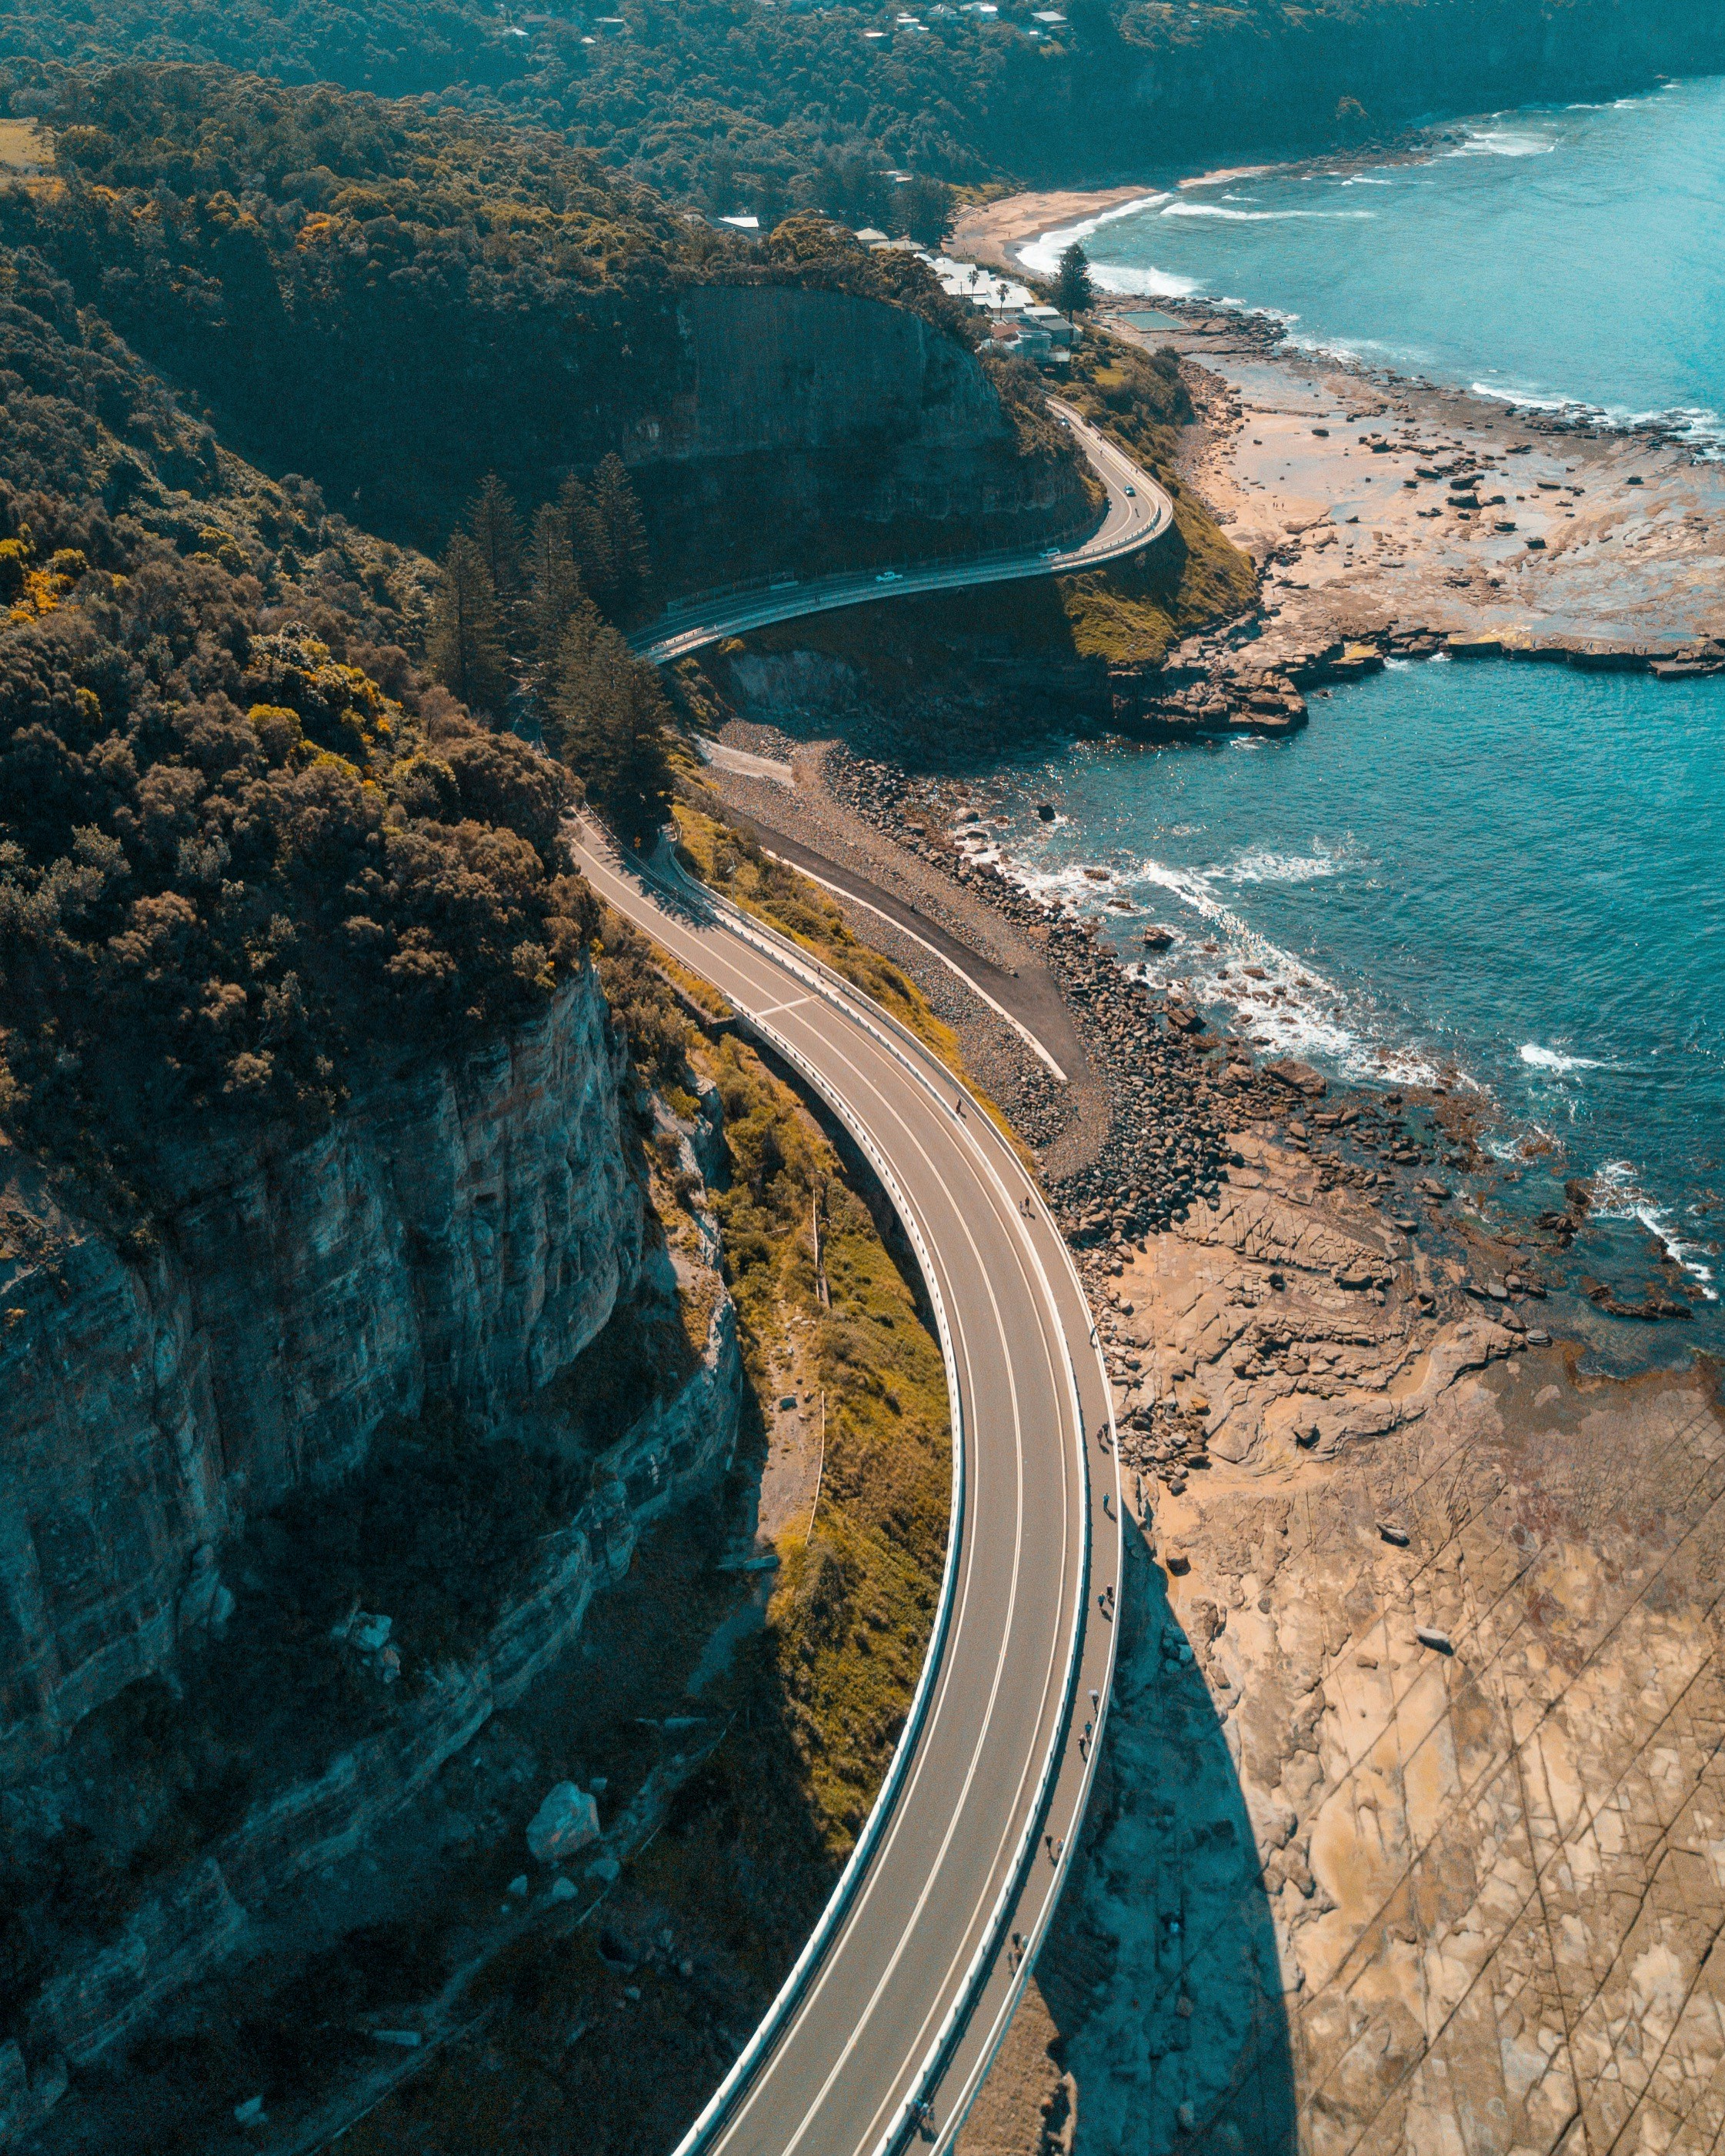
column 851, row 429
column 458, row 1237
column 202, row 1914
column 459, row 1233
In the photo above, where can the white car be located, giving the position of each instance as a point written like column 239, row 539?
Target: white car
column 889, row 576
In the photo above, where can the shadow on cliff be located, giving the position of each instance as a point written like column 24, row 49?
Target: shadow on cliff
column 940, row 681
column 1161, row 1972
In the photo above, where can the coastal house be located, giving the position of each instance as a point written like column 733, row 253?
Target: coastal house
column 1024, row 339
column 1064, row 332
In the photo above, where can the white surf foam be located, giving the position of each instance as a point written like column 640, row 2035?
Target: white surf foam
column 1311, row 1017
column 1617, row 1195
column 1697, row 424
column 1551, row 1058
column 1133, row 282
column 1505, row 143
column 1043, row 253
column 1265, row 215
column 1280, row 868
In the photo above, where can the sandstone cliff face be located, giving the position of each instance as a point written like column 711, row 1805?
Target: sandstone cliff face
column 848, row 425
column 458, row 1234
column 457, row 1239
column 203, row 1914
column 777, row 368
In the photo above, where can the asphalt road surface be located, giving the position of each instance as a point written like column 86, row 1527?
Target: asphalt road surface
column 905, row 1990
column 1029, row 1000
column 1138, row 511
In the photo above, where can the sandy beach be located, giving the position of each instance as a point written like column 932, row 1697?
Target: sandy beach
column 992, row 233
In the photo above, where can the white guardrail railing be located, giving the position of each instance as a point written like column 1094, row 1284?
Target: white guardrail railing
column 911, row 1054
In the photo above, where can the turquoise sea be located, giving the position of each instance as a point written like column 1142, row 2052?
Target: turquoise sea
column 1570, row 255
column 1508, row 877
column 1501, row 877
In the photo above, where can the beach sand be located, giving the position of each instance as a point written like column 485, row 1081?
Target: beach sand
column 992, row 233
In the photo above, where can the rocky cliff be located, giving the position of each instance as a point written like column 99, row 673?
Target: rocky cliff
column 459, row 1234
column 475, row 1249
column 850, row 427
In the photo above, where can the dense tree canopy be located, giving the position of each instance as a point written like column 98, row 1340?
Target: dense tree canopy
column 245, row 845
column 770, row 105
column 392, row 301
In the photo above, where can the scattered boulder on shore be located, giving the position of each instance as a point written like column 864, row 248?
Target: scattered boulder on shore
column 1299, row 1077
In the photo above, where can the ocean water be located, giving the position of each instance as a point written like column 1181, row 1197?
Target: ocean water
column 1571, row 256
column 1500, row 876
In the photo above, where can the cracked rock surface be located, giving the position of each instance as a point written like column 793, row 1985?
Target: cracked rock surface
column 1411, row 1830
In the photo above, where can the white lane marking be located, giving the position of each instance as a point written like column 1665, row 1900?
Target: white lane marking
column 773, row 1009
column 969, row 980
column 980, row 1742
column 718, row 933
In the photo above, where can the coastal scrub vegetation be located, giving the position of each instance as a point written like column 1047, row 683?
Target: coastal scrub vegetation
column 393, row 301
column 244, row 839
column 233, row 863
column 855, row 1602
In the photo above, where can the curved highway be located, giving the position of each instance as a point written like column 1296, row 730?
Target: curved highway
column 902, row 1996
column 1138, row 511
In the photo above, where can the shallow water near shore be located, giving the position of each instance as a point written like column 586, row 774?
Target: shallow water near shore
column 1553, row 255
column 1497, row 877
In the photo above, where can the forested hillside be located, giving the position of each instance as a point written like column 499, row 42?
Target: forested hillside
column 244, row 838
column 392, row 301
column 263, row 352
column 767, row 104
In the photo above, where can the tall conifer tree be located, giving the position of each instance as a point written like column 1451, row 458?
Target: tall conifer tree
column 496, row 529
column 467, row 653
column 555, row 592
column 618, row 508
column 608, row 715
column 587, row 537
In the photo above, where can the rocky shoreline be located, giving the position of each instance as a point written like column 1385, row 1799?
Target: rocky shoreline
column 1414, row 1597
column 1388, row 1544
column 1387, row 514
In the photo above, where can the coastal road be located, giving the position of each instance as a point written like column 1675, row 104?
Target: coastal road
column 906, row 1989
column 1138, row 511
column 1029, row 1000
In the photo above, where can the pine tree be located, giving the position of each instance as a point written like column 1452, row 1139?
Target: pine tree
column 467, row 653
column 496, row 529
column 608, row 723
column 588, row 539
column 618, row 509
column 555, row 592
column 1073, row 291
